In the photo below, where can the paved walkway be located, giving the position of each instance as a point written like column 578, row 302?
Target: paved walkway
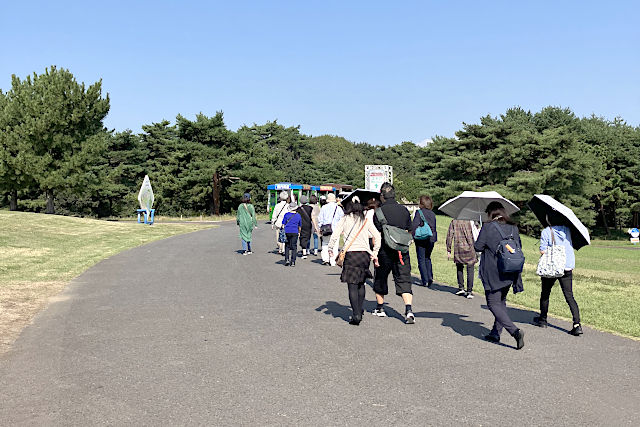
column 187, row 331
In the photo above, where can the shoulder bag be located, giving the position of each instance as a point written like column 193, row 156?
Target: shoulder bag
column 343, row 252
column 424, row 231
column 553, row 261
column 327, row 229
column 395, row 238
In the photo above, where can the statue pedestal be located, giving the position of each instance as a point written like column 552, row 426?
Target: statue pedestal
column 148, row 219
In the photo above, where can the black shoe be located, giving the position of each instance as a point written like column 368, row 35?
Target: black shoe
column 519, row 336
column 287, row 263
column 492, row 338
column 429, row 284
column 355, row 320
column 540, row 322
column 576, row 331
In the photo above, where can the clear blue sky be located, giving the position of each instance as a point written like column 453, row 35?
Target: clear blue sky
column 369, row 71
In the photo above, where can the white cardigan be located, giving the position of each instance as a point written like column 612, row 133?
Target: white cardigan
column 349, row 225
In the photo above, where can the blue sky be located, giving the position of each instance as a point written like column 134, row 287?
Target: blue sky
column 369, row 71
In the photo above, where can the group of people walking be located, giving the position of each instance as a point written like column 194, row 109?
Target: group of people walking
column 370, row 230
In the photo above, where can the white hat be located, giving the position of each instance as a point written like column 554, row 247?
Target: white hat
column 331, row 198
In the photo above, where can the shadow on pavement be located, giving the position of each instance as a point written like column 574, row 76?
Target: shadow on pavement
column 341, row 311
column 457, row 323
column 519, row 315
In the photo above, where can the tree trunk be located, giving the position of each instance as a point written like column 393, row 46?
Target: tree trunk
column 604, row 217
column 50, row 209
column 216, row 193
column 13, row 200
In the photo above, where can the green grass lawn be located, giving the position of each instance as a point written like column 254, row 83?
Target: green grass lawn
column 40, row 254
column 606, row 284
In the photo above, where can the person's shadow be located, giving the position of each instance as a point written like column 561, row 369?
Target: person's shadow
column 340, row 311
column 519, row 315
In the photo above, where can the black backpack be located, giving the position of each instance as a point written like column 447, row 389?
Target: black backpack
column 509, row 254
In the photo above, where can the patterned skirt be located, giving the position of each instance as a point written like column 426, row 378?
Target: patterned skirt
column 356, row 267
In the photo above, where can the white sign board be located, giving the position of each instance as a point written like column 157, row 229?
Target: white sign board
column 376, row 175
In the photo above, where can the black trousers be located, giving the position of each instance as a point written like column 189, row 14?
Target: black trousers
column 291, row 247
column 566, row 283
column 460, row 272
column 389, row 261
column 497, row 303
column 356, row 298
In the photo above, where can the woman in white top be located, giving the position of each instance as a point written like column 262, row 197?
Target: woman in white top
column 357, row 231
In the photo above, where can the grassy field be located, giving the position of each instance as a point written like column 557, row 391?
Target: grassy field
column 606, row 283
column 40, row 254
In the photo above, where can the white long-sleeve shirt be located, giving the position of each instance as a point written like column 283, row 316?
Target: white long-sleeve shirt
column 349, row 226
column 327, row 213
column 278, row 213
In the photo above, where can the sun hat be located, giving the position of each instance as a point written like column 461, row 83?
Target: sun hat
column 304, row 199
column 293, row 206
column 331, row 198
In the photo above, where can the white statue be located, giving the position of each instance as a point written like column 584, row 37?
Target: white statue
column 145, row 196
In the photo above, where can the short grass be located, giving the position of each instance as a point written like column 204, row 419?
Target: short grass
column 40, row 254
column 606, row 282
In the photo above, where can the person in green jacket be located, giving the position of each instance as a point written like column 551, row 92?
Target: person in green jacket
column 246, row 220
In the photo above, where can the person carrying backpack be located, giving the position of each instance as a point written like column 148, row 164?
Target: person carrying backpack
column 501, row 258
column 393, row 221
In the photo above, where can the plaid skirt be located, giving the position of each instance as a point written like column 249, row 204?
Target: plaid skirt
column 356, row 267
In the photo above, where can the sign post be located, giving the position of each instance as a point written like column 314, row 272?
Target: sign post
column 376, row 175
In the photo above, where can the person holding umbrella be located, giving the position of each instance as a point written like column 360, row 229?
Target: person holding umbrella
column 496, row 282
column 563, row 229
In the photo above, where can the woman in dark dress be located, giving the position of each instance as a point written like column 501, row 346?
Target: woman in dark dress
column 424, row 248
column 305, row 212
column 496, row 284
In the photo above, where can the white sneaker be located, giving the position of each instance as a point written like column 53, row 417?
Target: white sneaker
column 461, row 292
column 315, row 252
column 470, row 295
column 410, row 319
column 249, row 252
column 379, row 312
column 304, row 257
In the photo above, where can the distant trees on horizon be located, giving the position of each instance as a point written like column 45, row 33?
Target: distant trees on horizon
column 57, row 156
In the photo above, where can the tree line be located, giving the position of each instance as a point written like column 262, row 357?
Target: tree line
column 57, row 156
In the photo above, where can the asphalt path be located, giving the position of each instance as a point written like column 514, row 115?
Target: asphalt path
column 186, row 331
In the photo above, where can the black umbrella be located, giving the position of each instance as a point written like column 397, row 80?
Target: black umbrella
column 544, row 206
column 363, row 195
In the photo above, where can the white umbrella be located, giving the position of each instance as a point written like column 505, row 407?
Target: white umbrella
column 471, row 205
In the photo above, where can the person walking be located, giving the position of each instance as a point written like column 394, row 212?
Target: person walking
column 328, row 219
column 424, row 247
column 292, row 223
column 390, row 260
column 313, row 201
column 306, row 228
column 279, row 211
column 464, row 254
column 496, row 283
column 357, row 230
column 246, row 220
column 561, row 236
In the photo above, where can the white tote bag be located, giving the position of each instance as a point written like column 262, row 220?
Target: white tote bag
column 553, row 261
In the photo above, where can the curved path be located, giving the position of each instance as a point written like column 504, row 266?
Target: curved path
column 187, row 331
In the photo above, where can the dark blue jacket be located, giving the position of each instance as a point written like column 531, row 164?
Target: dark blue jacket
column 431, row 220
column 487, row 243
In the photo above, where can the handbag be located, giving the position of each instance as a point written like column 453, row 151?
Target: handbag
column 553, row 261
column 282, row 236
column 343, row 252
column 424, row 231
column 326, row 229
